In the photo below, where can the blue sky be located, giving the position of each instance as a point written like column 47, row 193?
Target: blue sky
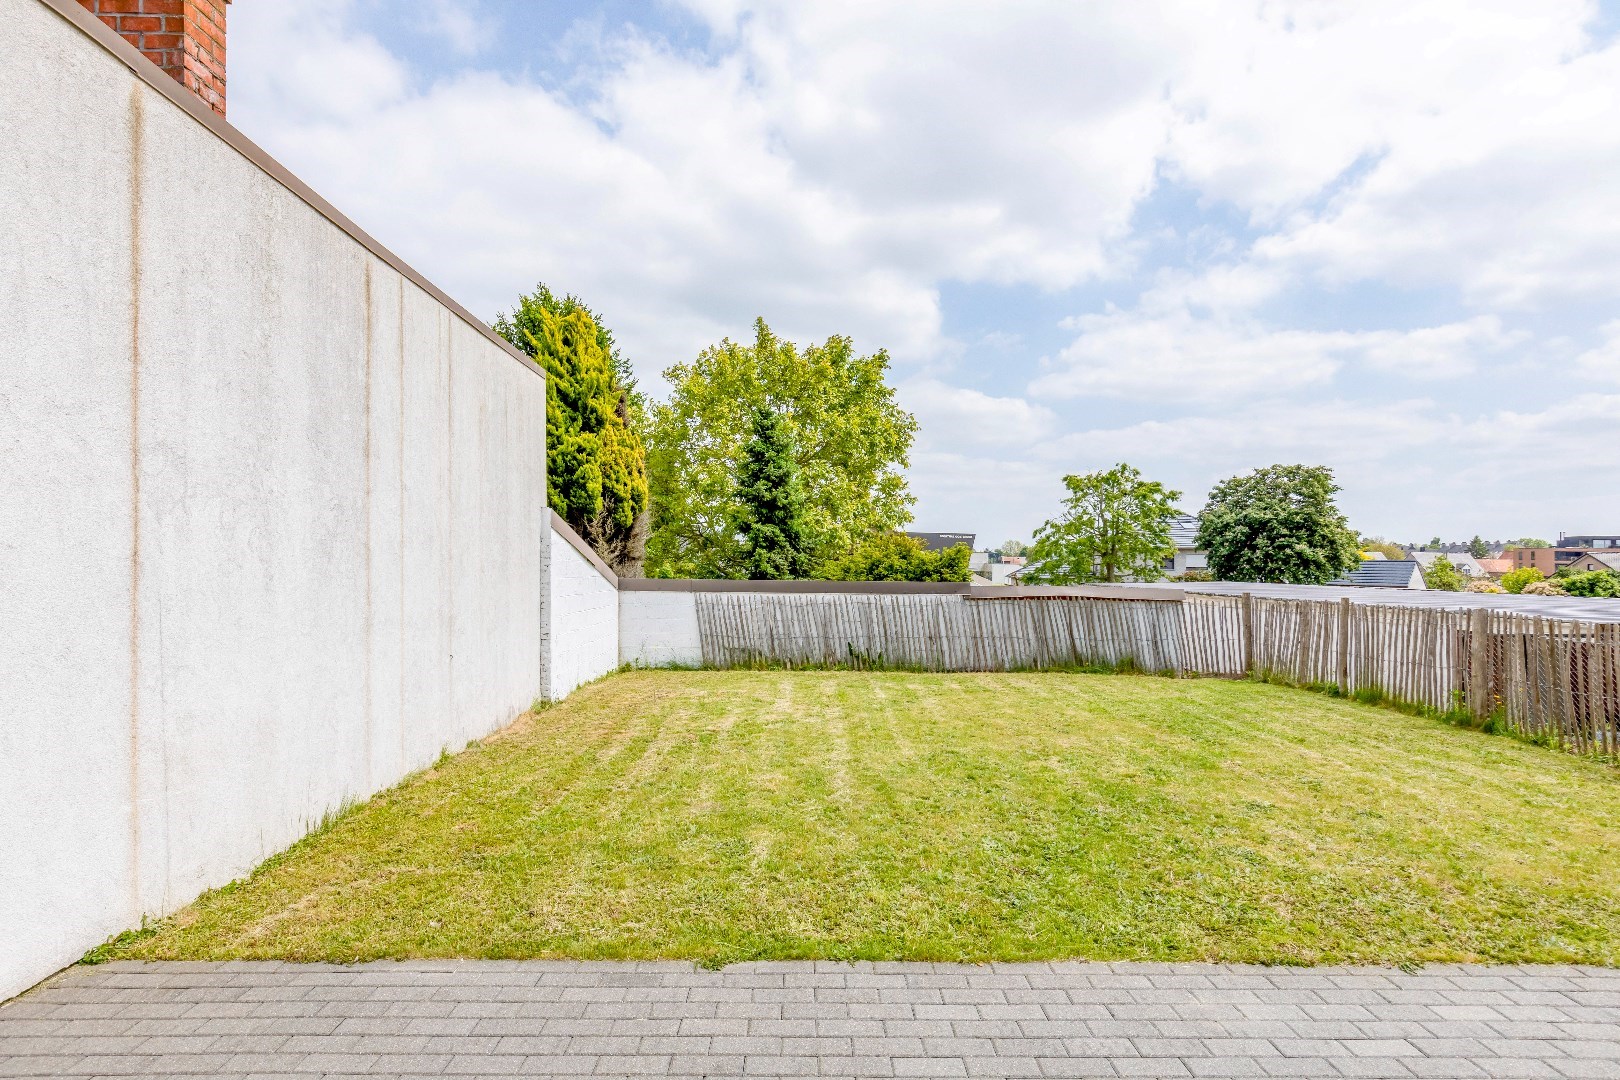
column 1380, row 236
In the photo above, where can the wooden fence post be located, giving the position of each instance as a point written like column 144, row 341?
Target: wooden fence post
column 1248, row 635
column 1344, row 646
column 1479, row 689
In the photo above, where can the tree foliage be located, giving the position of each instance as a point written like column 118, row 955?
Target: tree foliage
column 1527, row 542
column 851, row 442
column 1115, row 526
column 1013, row 548
column 1478, row 548
column 898, row 557
column 769, row 504
column 1278, row 524
column 1442, row 575
column 1383, row 547
column 1514, row 581
column 596, row 469
column 525, row 320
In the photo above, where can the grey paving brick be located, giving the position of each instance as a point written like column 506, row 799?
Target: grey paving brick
column 462, row 1018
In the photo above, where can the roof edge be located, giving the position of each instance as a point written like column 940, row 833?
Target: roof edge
column 578, row 543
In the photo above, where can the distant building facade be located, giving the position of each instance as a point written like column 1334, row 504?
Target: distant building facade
column 939, row 541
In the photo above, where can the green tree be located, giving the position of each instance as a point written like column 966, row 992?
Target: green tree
column 1278, row 524
column 769, row 504
column 898, row 557
column 851, row 444
column 525, row 320
column 1382, row 546
column 1115, row 526
column 596, row 469
column 1599, row 583
column 1514, row 581
column 1528, row 542
column 1013, row 548
column 1442, row 575
column 1478, row 548
column 1434, row 545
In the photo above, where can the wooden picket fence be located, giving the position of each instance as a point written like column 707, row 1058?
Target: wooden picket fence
column 1555, row 678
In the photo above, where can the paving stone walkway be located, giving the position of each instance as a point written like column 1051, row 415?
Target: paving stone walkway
column 455, row 1018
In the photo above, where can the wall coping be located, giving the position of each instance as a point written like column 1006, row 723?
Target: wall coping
column 577, row 542
column 733, row 585
column 153, row 76
column 1078, row 592
column 903, row 588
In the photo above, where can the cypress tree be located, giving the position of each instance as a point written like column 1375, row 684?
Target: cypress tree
column 770, row 521
column 596, row 470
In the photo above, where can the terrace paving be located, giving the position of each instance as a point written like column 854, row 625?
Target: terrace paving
column 809, row 1018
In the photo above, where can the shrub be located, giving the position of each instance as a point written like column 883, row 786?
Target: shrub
column 1593, row 583
column 1485, row 587
column 898, row 557
column 1443, row 576
column 1543, row 588
column 1514, row 581
column 1196, row 573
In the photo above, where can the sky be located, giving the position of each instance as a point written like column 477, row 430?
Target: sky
column 1377, row 235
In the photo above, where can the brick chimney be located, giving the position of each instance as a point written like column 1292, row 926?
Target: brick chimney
column 186, row 38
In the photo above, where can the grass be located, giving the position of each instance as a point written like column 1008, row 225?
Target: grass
column 724, row 816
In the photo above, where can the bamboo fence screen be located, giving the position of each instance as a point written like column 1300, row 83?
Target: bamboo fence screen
column 1541, row 677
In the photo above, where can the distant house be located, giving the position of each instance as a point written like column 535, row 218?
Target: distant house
column 1004, row 571
column 1188, row 556
column 1495, row 568
column 1595, row 560
column 1466, row 563
column 1385, row 574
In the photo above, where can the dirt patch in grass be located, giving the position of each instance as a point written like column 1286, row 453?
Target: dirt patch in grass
column 725, row 816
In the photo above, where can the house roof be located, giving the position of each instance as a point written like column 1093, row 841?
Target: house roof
column 1184, row 531
column 1495, row 566
column 1460, row 559
column 1386, row 574
column 1611, row 559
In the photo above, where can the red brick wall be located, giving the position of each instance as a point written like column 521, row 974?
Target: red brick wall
column 186, row 38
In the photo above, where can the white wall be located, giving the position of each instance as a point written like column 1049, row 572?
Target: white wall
column 659, row 628
column 582, row 619
column 271, row 514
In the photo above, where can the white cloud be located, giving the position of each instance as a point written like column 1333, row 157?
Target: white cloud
column 461, row 26
column 1602, row 362
column 839, row 166
column 954, row 417
column 1163, row 351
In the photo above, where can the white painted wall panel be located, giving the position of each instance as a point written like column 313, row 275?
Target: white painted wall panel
column 65, row 496
column 657, row 629
column 584, row 618
column 333, row 566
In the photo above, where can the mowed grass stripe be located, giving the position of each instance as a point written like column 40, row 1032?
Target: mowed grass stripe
column 722, row 816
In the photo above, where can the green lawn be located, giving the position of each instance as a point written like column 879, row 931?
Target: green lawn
column 733, row 815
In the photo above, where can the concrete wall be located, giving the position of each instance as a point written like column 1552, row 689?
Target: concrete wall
column 271, row 508
column 582, row 614
column 657, row 629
